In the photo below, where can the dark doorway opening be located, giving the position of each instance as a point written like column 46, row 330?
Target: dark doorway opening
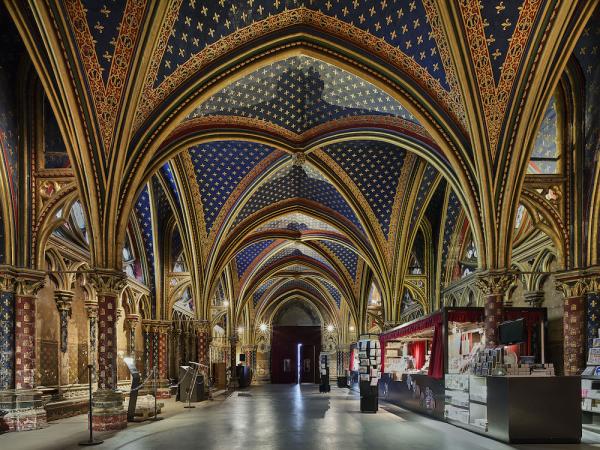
column 291, row 363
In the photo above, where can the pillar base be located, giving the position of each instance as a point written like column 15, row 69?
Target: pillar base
column 108, row 412
column 163, row 391
column 25, row 410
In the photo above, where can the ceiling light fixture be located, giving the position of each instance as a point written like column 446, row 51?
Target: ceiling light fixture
column 263, row 327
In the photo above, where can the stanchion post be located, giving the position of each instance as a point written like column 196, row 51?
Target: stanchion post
column 155, row 404
column 91, row 440
column 191, row 390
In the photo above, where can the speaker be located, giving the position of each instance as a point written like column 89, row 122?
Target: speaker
column 242, row 357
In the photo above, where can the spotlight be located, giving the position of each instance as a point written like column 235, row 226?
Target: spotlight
column 351, row 327
column 226, row 303
column 263, row 327
column 330, row 328
column 240, row 330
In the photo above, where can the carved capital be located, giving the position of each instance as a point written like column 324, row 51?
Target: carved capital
column 29, row 282
column 108, row 282
column 91, row 308
column 64, row 300
column 573, row 287
column 495, row 282
column 131, row 320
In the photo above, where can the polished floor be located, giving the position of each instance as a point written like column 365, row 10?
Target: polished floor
column 276, row 417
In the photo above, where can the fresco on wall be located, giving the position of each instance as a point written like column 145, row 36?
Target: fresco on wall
column 55, row 151
column 587, row 52
column 9, row 139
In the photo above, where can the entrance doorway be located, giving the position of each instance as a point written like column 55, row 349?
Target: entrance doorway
column 290, row 361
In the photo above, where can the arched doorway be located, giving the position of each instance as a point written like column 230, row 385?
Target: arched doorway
column 295, row 343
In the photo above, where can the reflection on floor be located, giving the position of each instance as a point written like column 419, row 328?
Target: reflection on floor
column 276, row 417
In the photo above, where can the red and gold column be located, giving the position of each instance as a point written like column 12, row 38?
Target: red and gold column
column 162, row 390
column 574, row 287
column 203, row 333
column 108, row 411
column 17, row 328
column 493, row 285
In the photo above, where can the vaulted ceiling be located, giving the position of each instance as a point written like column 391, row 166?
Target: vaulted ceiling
column 297, row 145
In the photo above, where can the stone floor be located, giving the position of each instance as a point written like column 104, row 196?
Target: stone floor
column 275, row 417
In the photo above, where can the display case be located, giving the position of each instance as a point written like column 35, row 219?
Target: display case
column 439, row 365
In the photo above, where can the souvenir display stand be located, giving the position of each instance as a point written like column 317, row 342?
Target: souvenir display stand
column 369, row 354
column 439, row 365
column 353, row 369
column 590, row 385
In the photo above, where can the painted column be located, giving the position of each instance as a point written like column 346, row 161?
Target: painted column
column 108, row 411
column 148, row 341
column 91, row 308
column 494, row 285
column 574, row 288
column 162, row 361
column 64, row 300
column 203, row 333
column 17, row 351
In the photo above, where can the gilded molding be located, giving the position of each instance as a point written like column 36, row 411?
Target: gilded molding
column 107, row 282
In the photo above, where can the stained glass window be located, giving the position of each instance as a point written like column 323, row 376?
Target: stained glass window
column 546, row 152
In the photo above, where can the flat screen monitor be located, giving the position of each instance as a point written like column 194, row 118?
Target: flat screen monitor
column 512, row 332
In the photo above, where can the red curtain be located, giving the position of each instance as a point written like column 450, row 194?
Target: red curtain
column 436, row 363
column 418, row 352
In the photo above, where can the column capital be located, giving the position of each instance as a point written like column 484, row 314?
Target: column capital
column 575, row 283
column 108, row 282
column 131, row 320
column 25, row 282
column 495, row 282
column 64, row 300
column 91, row 308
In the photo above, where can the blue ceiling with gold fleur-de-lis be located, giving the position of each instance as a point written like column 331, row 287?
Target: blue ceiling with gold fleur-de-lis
column 163, row 207
column 143, row 213
column 347, row 257
column 452, row 213
column 301, row 182
column 220, row 167
column 375, row 169
column 167, row 172
column 500, row 19
column 429, row 175
column 298, row 284
column 402, row 24
column 259, row 292
column 333, row 291
column 300, row 93
column 587, row 52
column 104, row 22
column 248, row 255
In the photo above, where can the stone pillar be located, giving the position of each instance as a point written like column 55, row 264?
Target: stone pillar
column 494, row 285
column 108, row 411
column 64, row 300
column 534, row 299
column 176, row 338
column 574, row 288
column 148, row 344
column 18, row 294
column 91, row 308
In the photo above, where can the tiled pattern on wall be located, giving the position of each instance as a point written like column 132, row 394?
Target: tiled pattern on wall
column 7, row 320
column 24, row 342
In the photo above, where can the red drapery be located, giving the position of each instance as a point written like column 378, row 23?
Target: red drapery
column 436, row 362
column 417, row 350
